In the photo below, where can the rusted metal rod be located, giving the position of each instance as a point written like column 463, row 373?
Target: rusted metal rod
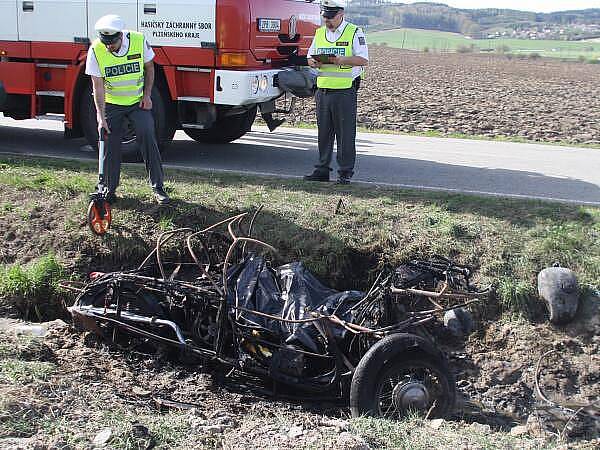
column 434, row 294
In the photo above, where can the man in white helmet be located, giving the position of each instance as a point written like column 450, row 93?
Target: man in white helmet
column 343, row 49
column 120, row 65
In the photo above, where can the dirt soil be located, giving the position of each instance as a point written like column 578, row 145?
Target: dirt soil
column 486, row 95
column 495, row 370
column 217, row 409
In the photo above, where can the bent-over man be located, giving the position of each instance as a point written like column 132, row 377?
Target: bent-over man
column 120, row 65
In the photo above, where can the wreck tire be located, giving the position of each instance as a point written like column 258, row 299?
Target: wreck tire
column 392, row 381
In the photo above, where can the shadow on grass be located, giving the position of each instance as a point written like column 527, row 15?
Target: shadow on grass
column 127, row 244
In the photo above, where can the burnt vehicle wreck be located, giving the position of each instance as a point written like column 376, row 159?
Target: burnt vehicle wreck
column 221, row 300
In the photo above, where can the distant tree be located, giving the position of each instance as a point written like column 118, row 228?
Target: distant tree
column 475, row 23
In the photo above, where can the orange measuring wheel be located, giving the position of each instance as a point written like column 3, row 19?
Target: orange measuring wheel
column 99, row 216
column 98, row 213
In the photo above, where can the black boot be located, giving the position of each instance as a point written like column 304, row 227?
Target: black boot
column 272, row 123
column 111, row 197
column 318, row 175
column 344, row 177
column 162, row 198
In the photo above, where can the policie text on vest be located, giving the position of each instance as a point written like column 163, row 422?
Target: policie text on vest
column 122, row 69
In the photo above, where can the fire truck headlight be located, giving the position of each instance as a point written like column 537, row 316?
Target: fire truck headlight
column 264, row 83
column 254, row 85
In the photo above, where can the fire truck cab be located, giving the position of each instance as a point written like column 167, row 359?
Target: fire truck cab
column 216, row 61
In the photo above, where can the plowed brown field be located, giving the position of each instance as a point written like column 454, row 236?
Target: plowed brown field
column 485, row 95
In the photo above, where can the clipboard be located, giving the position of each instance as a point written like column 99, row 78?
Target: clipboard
column 323, row 58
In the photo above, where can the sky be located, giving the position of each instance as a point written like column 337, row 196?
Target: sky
column 522, row 5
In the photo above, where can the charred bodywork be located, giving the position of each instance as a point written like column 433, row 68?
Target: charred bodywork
column 222, row 300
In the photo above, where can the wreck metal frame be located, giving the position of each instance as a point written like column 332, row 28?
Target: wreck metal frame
column 373, row 346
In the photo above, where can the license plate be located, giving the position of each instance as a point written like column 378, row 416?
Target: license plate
column 269, row 25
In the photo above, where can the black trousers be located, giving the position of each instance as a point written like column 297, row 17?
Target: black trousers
column 336, row 120
column 143, row 121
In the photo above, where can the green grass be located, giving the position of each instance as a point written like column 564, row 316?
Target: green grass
column 33, row 287
column 413, row 39
column 516, row 297
column 63, row 183
column 414, row 433
column 15, row 425
column 166, row 221
column 22, row 347
column 508, row 240
column 39, row 278
column 25, row 372
column 7, row 207
column 170, row 430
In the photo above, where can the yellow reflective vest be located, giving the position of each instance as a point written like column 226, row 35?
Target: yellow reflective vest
column 123, row 75
column 332, row 76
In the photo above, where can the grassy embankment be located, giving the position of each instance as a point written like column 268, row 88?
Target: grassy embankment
column 341, row 233
column 509, row 241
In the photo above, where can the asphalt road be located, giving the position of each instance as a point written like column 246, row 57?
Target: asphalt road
column 565, row 174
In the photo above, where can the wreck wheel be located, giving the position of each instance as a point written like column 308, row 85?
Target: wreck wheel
column 411, row 386
column 392, row 382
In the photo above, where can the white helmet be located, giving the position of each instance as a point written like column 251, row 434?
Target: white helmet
column 329, row 8
column 109, row 28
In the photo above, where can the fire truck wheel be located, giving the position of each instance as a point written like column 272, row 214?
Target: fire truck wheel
column 225, row 129
column 163, row 121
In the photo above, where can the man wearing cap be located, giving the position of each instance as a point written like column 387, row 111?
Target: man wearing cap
column 338, row 83
column 120, row 65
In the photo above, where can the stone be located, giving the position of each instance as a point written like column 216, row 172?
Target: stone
column 481, row 428
column 33, row 329
column 339, row 425
column 102, row 437
column 140, row 391
column 519, row 430
column 37, row 330
column 459, row 321
column 347, row 441
column 558, row 288
column 295, row 432
column 435, row 423
column 535, row 426
column 212, row 429
column 56, row 324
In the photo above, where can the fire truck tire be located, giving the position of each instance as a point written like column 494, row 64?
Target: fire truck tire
column 163, row 121
column 225, row 129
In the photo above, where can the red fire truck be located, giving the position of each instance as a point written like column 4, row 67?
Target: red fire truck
column 215, row 61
